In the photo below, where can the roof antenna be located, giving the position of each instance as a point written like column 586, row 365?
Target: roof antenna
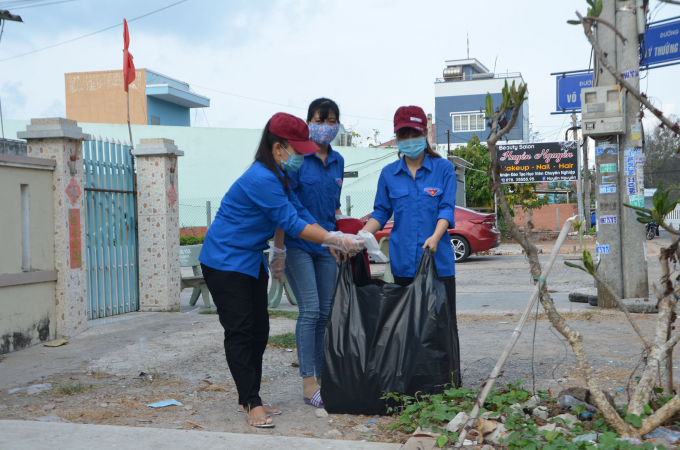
column 468, row 43
column 494, row 64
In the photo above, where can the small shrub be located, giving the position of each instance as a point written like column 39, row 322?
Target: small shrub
column 71, row 389
column 208, row 311
column 191, row 240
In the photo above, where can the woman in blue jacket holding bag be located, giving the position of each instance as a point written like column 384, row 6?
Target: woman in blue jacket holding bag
column 232, row 257
column 310, row 268
column 420, row 190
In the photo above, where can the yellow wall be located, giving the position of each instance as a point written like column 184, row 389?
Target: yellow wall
column 99, row 97
column 28, row 311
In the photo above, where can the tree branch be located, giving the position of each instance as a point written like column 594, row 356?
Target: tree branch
column 623, row 308
column 604, row 22
column 675, row 127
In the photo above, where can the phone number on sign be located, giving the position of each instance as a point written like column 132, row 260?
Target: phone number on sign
column 532, row 179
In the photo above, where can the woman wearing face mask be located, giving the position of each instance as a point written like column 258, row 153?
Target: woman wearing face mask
column 311, row 268
column 232, row 257
column 420, row 190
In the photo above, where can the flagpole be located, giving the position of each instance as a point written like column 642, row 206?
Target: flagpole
column 134, row 187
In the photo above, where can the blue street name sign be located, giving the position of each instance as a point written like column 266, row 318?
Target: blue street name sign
column 662, row 43
column 569, row 90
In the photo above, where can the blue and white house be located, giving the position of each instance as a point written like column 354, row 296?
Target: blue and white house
column 460, row 101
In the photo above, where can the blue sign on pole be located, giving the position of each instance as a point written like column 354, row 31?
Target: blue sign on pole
column 662, row 43
column 569, row 90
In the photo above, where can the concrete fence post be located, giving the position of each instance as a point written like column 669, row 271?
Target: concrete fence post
column 208, row 213
column 60, row 140
column 158, row 224
column 557, row 216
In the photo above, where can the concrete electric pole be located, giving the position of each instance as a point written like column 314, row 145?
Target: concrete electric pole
column 606, row 166
column 633, row 243
column 624, row 267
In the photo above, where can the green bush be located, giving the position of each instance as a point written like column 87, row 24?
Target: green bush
column 191, row 240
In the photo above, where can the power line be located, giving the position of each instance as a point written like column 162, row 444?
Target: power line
column 91, row 34
column 281, row 104
column 43, row 4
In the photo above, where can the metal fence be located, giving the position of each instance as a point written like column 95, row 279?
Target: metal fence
column 199, row 213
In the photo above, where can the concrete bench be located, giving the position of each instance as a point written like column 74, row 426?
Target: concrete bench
column 188, row 257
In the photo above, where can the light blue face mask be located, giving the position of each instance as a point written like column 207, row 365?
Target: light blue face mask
column 412, row 147
column 294, row 162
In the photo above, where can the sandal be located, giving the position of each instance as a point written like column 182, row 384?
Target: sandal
column 315, row 400
column 263, row 404
column 261, row 425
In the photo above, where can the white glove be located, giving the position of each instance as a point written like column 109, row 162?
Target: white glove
column 277, row 261
column 339, row 217
column 372, row 246
column 348, row 243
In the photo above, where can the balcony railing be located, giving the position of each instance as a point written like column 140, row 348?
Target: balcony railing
column 480, row 76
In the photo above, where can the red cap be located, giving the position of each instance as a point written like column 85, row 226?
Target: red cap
column 411, row 117
column 294, row 130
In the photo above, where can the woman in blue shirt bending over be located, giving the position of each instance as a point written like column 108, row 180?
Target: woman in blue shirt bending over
column 311, row 268
column 232, row 257
column 420, row 190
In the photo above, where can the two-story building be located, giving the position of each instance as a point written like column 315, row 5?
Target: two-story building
column 460, row 103
column 155, row 99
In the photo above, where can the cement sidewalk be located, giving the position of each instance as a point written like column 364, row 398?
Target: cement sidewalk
column 21, row 435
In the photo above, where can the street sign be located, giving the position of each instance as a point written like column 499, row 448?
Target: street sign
column 538, row 162
column 569, row 90
column 637, row 200
column 661, row 44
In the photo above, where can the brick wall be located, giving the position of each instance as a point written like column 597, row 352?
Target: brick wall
column 546, row 217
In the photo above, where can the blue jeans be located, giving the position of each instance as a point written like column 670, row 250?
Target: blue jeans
column 312, row 278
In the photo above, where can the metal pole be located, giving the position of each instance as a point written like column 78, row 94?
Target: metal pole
column 633, row 261
column 208, row 213
column 586, row 183
column 2, row 125
column 448, row 143
column 608, row 204
column 348, row 205
column 578, row 173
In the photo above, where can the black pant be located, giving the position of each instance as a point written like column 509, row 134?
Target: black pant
column 241, row 302
column 450, row 286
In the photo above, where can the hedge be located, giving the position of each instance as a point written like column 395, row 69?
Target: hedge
column 191, row 240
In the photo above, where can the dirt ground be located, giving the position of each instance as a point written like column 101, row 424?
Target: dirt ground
column 110, row 390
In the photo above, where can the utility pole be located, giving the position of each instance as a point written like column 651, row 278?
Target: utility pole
column 633, row 243
column 586, row 183
column 579, row 197
column 448, row 143
column 608, row 204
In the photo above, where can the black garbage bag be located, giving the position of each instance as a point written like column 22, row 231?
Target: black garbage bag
column 382, row 338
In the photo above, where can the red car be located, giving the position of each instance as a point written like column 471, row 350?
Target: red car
column 474, row 233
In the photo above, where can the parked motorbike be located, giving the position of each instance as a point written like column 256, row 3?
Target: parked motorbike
column 652, row 230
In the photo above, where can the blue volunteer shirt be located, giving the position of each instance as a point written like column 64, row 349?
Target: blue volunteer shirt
column 417, row 206
column 247, row 218
column 318, row 187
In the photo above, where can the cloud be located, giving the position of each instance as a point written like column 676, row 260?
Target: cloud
column 13, row 100
column 56, row 109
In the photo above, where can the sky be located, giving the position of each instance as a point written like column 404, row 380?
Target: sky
column 370, row 56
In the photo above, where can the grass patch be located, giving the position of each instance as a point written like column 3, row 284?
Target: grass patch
column 173, row 310
column 287, row 314
column 286, row 340
column 208, row 311
column 72, row 389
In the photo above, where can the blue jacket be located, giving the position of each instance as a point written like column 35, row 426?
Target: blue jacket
column 247, row 218
column 318, row 187
column 417, row 205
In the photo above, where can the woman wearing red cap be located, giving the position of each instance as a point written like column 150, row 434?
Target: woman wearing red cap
column 232, row 257
column 420, row 190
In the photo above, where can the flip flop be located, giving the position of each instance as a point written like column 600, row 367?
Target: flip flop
column 263, row 404
column 263, row 425
column 315, row 400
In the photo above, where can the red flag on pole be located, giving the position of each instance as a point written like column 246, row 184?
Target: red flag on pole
column 128, row 65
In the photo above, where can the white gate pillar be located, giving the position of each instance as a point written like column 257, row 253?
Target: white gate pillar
column 60, row 140
column 158, row 224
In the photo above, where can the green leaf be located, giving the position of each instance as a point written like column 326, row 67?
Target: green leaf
column 574, row 22
column 575, row 266
column 648, row 409
column 441, row 441
column 489, row 106
column 591, row 3
column 634, row 420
